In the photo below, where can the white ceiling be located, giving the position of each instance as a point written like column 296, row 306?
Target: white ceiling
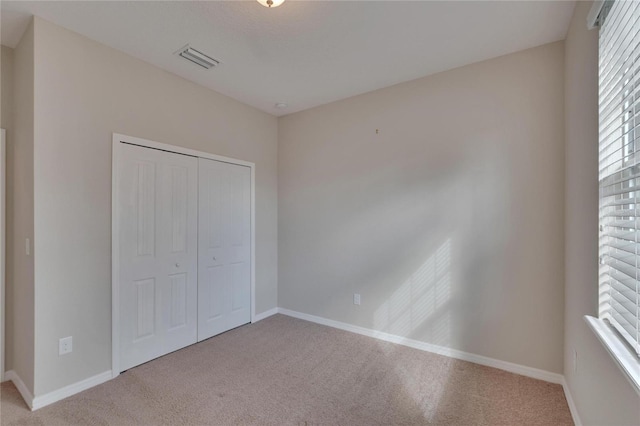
column 303, row 53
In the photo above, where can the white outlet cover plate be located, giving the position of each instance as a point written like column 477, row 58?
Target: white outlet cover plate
column 65, row 345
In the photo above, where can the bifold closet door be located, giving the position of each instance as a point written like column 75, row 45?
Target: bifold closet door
column 158, row 258
column 224, row 247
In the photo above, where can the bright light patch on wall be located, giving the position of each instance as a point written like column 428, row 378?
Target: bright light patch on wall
column 197, row 57
column 421, row 301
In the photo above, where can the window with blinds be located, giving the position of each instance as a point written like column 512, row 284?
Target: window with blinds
column 619, row 168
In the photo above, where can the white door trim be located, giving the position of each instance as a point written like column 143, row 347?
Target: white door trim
column 118, row 139
column 3, row 303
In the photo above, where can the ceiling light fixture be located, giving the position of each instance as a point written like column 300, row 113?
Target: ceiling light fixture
column 271, row 3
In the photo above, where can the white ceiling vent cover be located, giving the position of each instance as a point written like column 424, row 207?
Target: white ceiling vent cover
column 197, row 57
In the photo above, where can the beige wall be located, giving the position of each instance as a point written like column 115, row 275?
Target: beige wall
column 20, row 267
column 6, row 88
column 601, row 393
column 448, row 222
column 6, row 122
column 84, row 91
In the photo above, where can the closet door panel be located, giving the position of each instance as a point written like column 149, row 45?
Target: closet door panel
column 140, row 299
column 178, row 236
column 224, row 247
column 239, row 246
column 157, row 215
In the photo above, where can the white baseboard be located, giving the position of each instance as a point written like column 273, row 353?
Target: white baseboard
column 57, row 395
column 72, row 389
column 22, row 388
column 441, row 350
column 265, row 314
column 572, row 405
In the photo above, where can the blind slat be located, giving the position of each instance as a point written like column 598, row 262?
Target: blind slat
column 618, row 245
column 625, row 294
column 622, row 283
column 620, row 202
column 621, row 267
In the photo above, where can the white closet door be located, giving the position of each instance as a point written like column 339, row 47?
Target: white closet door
column 158, row 253
column 224, row 247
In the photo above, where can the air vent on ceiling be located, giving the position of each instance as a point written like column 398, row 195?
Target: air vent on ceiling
column 197, row 57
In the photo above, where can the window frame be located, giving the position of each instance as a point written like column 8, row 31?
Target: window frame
column 616, row 345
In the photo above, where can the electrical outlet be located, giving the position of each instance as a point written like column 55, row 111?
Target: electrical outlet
column 27, row 246
column 65, row 345
column 356, row 299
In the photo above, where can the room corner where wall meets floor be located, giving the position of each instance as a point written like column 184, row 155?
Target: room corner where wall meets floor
column 287, row 371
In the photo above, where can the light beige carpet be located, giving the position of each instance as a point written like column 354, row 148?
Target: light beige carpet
column 287, row 371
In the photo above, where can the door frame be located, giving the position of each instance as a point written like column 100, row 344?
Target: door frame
column 118, row 140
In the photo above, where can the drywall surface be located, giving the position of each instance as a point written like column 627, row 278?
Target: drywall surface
column 601, row 394
column 20, row 192
column 6, row 88
column 6, row 122
column 84, row 92
column 441, row 202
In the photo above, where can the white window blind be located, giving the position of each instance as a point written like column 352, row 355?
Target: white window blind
column 619, row 168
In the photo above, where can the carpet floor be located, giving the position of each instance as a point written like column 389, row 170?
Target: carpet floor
column 283, row 371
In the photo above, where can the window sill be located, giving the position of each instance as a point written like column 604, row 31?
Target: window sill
column 625, row 358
